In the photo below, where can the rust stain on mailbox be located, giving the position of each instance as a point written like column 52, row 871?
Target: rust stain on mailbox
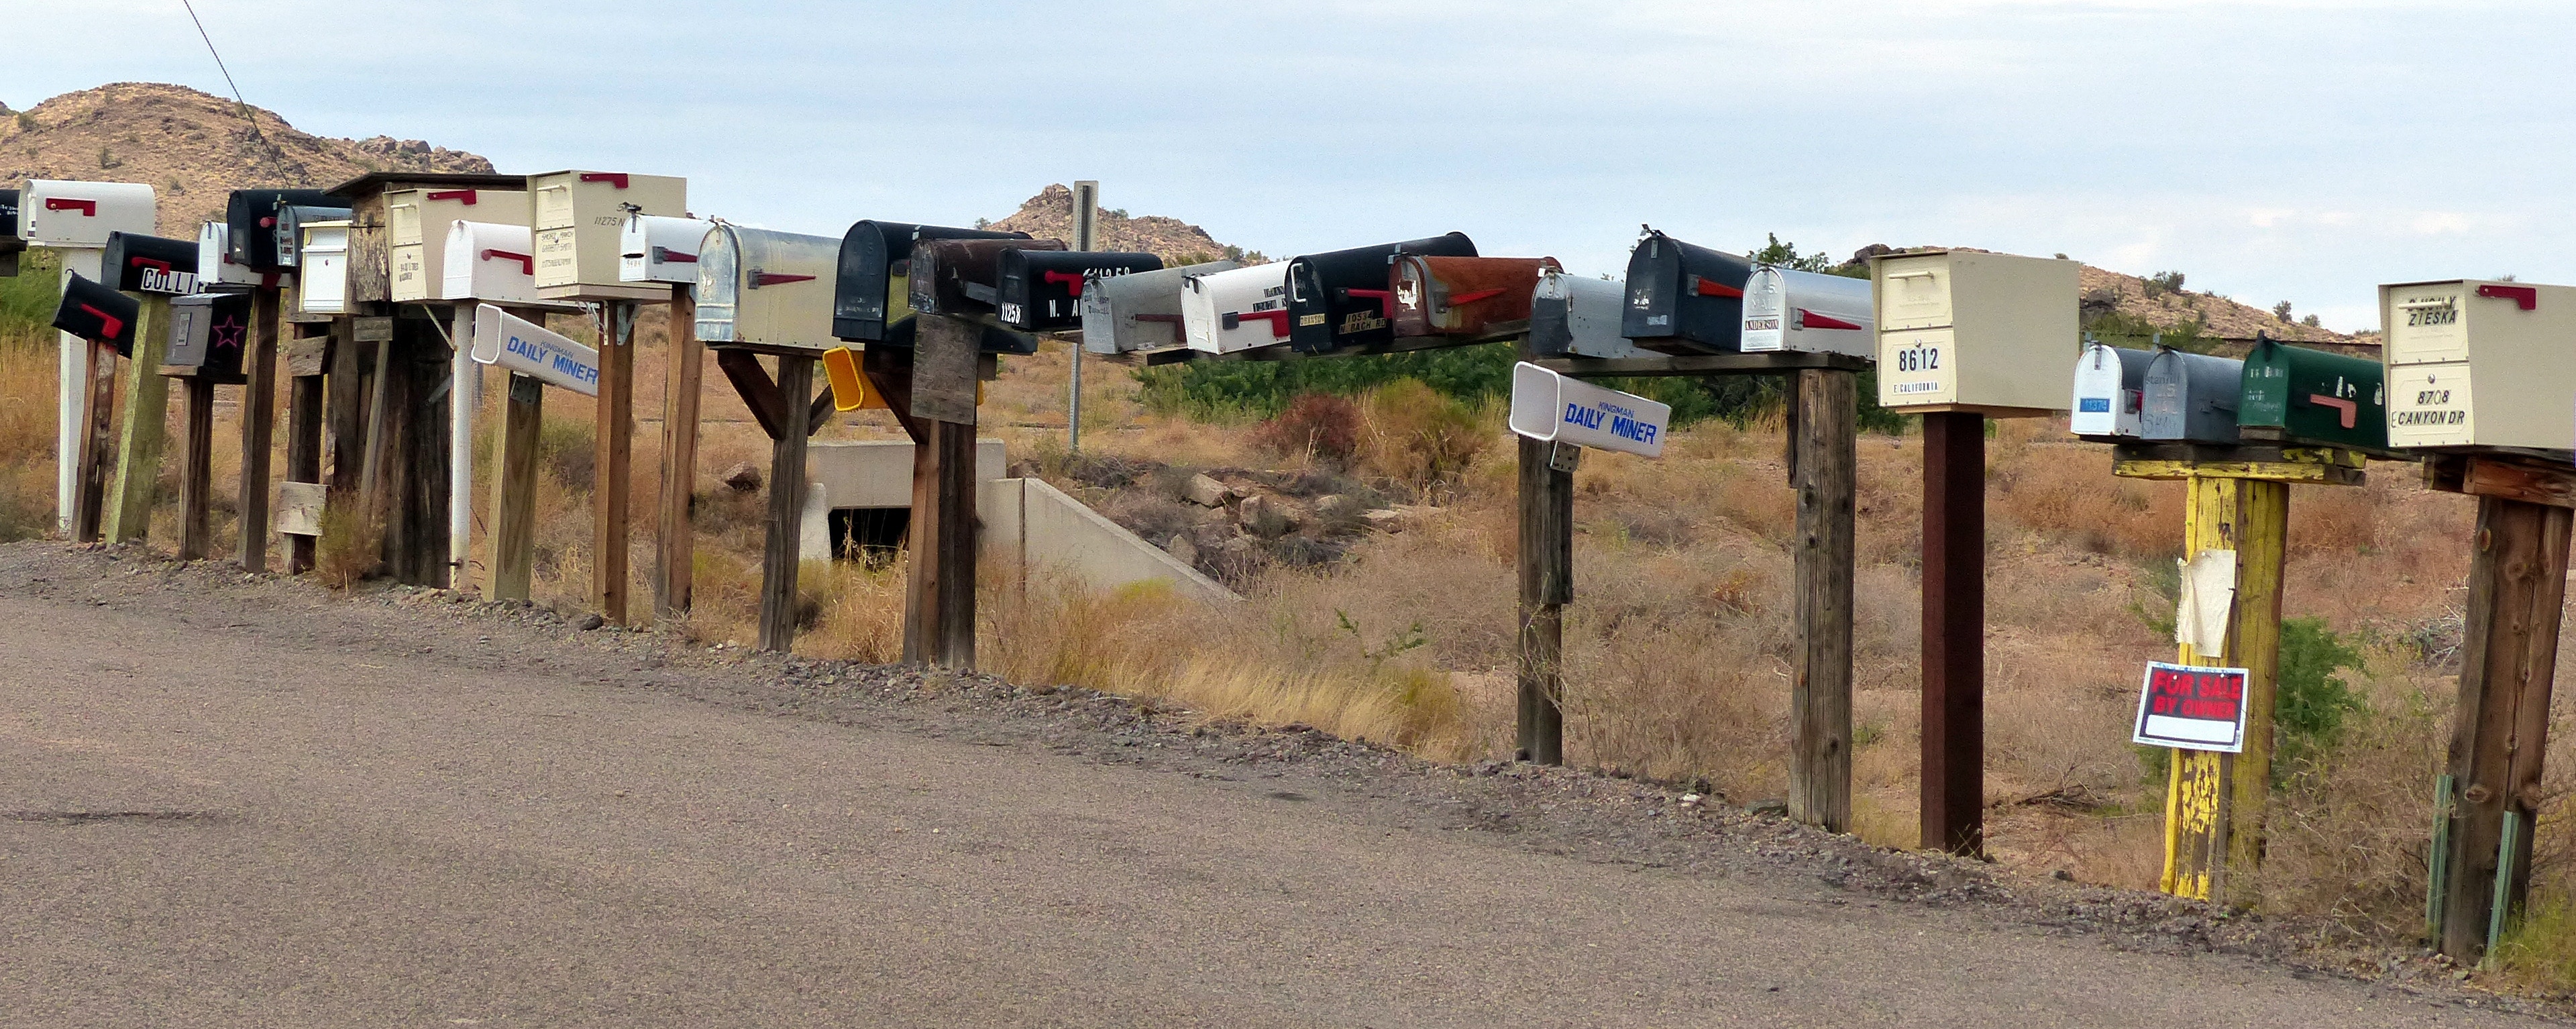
column 1464, row 296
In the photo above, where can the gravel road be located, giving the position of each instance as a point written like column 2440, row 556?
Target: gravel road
column 231, row 800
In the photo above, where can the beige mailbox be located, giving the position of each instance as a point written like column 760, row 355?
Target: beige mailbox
column 419, row 222
column 577, row 217
column 322, row 280
column 2480, row 363
column 1971, row 331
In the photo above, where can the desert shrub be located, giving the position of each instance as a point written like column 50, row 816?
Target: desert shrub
column 1414, row 436
column 568, row 449
column 2311, row 703
column 1317, row 424
column 2164, row 282
column 350, row 545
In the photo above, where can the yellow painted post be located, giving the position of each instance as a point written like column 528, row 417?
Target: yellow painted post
column 147, row 407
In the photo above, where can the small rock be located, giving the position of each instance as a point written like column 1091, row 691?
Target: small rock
column 742, row 477
column 1206, row 492
column 1183, row 549
column 589, row 622
column 1266, row 516
column 2062, row 875
column 1691, row 800
column 1771, row 807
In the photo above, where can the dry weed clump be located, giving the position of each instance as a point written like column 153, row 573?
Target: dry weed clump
column 1314, row 426
column 351, row 546
column 1411, row 435
column 27, row 398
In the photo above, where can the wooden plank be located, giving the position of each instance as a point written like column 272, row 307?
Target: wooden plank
column 611, row 493
column 259, row 419
column 939, row 592
column 675, row 539
column 2262, row 552
column 371, row 449
column 943, row 368
column 2500, row 727
column 1954, row 632
column 1820, row 700
column 196, row 472
column 345, row 392
column 299, row 509
column 417, row 466
column 308, row 356
column 753, row 384
column 98, row 442
column 308, row 360
column 2513, row 480
column 2270, row 471
column 1778, row 363
column 513, row 536
column 1546, row 561
column 132, row 491
column 780, row 551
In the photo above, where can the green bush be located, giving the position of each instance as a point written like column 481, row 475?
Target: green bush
column 28, row 301
column 2309, row 709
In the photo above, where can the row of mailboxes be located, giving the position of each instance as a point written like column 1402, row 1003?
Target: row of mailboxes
column 1139, row 310
column 487, row 261
column 872, row 293
column 2278, row 393
column 1345, row 298
column 137, row 263
column 255, row 229
column 54, row 213
column 579, row 221
column 2479, row 363
column 420, row 222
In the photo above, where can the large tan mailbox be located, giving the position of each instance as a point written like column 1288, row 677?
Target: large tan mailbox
column 81, row 214
column 578, row 217
column 766, row 290
column 418, row 223
column 2480, row 363
column 1973, row 331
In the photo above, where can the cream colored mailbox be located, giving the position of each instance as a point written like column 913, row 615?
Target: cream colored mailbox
column 768, row 290
column 322, row 278
column 578, row 217
column 419, row 222
column 488, row 262
column 2476, row 363
column 1972, row 331
column 656, row 249
column 81, row 214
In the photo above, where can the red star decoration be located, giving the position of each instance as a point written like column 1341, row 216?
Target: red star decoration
column 226, row 333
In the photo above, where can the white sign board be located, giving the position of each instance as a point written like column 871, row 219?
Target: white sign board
column 1548, row 406
column 2192, row 708
column 533, row 350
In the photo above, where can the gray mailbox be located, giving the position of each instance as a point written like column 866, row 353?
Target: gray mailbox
column 2191, row 397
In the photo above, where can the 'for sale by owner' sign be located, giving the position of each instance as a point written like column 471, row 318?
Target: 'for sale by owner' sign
column 2192, row 708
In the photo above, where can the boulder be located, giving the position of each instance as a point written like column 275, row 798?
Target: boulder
column 1206, row 492
column 742, row 477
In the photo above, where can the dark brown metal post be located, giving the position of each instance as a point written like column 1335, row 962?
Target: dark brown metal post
column 1954, row 631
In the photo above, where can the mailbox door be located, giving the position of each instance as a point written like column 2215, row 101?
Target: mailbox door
column 2110, row 391
column 1914, row 291
column 719, row 285
column 1139, row 311
column 1808, row 312
column 1236, row 310
column 2428, row 323
column 576, row 217
column 151, row 264
column 1342, row 298
column 1464, row 296
column 96, row 313
column 2313, row 396
column 2191, row 397
column 251, row 222
column 874, row 289
column 1684, row 298
column 784, row 292
column 2428, row 406
column 1578, row 316
column 82, row 214
column 958, row 276
column 1041, row 290
column 322, row 283
column 489, row 262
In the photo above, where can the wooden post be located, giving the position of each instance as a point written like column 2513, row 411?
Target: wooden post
column 259, row 415
column 675, row 542
column 97, row 442
column 147, row 412
column 1954, row 631
column 417, row 471
column 615, row 479
column 381, row 382
column 196, row 473
column 2499, row 732
column 1546, row 586
column 2214, row 801
column 939, row 592
column 307, row 359
column 514, row 490
column 781, row 549
column 1820, row 697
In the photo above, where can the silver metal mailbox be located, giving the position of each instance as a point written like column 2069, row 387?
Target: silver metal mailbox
column 2110, row 391
column 1140, row 311
column 768, row 289
column 1809, row 312
column 1578, row 316
column 2191, row 397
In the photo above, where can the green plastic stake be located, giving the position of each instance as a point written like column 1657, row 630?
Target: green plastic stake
column 2438, row 884
column 2505, row 852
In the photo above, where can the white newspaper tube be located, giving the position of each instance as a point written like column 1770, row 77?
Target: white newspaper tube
column 533, row 350
column 464, row 394
column 1548, row 406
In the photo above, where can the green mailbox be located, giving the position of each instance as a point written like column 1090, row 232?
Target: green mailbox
column 2297, row 395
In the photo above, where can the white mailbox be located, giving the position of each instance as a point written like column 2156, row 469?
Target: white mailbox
column 53, row 213
column 1811, row 312
column 215, row 265
column 2480, row 363
column 1139, row 310
column 578, row 217
column 652, row 248
column 1236, row 310
column 759, row 288
column 418, row 223
column 1578, row 316
column 2110, row 391
column 488, row 262
column 322, row 280
column 1966, row 330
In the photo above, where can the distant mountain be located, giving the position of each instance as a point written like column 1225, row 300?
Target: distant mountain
column 194, row 148
column 1049, row 215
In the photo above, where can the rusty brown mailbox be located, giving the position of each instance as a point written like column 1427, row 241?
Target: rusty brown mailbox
column 1465, row 296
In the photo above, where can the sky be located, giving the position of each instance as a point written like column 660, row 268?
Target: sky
column 2270, row 149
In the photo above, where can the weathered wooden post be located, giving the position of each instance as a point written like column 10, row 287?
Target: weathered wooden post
column 939, row 594
column 302, row 497
column 102, row 321
column 207, row 335
column 1546, row 586
column 155, row 269
column 675, row 540
column 514, row 489
column 1820, row 701
column 611, row 500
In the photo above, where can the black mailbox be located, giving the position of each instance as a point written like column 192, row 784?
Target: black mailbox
column 872, row 290
column 1041, row 290
column 1684, row 298
column 207, row 331
column 250, row 223
column 151, row 264
column 959, row 276
column 1346, row 298
column 98, row 314
column 10, row 242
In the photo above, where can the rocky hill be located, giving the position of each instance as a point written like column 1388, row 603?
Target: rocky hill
column 1049, row 215
column 194, row 148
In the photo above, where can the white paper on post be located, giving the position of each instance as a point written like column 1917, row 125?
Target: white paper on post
column 2207, row 601
column 535, row 351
